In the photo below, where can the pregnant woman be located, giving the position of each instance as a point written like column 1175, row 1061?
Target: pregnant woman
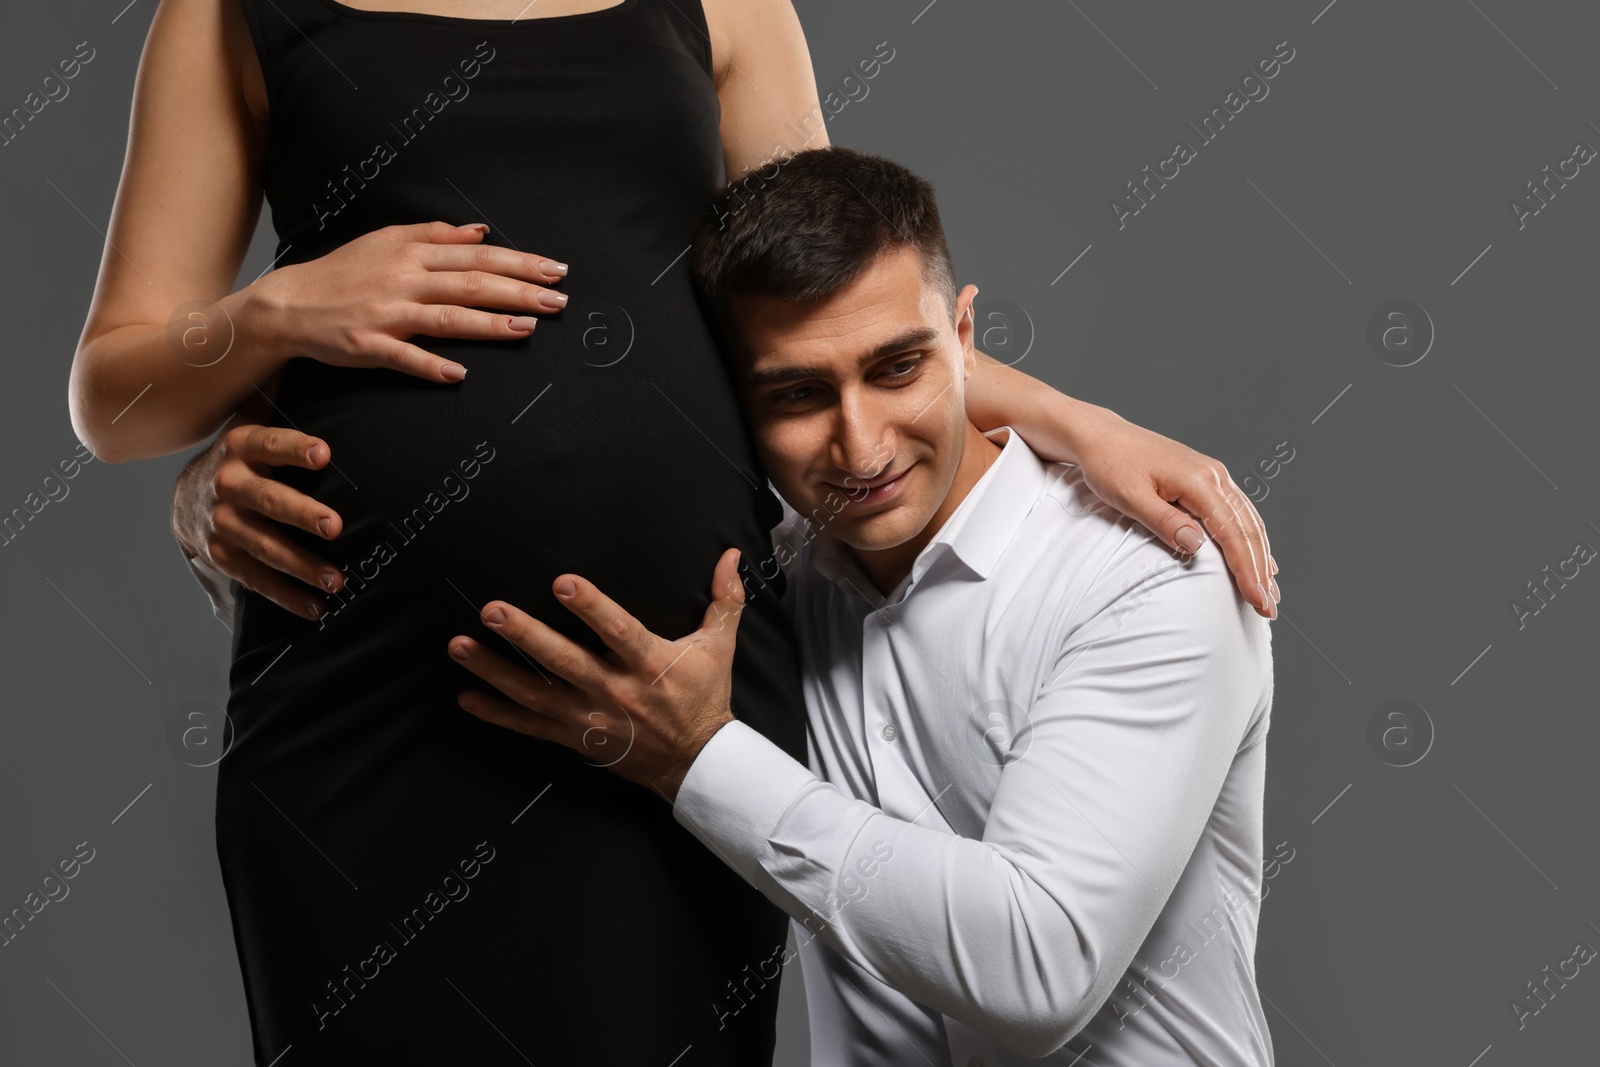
column 526, row 389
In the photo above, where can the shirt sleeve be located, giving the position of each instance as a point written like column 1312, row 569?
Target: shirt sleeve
column 1024, row 933
column 218, row 586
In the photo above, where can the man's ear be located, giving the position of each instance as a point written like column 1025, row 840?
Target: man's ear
column 966, row 329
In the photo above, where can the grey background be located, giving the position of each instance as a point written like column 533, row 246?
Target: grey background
column 1229, row 313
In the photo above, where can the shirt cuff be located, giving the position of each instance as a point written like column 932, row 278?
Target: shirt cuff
column 218, row 586
column 735, row 793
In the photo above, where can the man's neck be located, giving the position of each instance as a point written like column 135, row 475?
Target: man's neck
column 888, row 567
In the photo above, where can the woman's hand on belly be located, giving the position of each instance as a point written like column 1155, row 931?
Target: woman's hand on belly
column 359, row 305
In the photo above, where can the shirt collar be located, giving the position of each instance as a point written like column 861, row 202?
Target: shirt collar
column 975, row 534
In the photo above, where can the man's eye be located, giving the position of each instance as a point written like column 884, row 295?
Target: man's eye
column 794, row 396
column 903, row 368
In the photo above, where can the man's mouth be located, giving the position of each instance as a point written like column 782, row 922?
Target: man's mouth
column 864, row 491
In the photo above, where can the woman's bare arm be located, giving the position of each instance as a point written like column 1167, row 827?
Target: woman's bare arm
column 147, row 380
column 762, row 70
column 185, row 210
column 1182, row 496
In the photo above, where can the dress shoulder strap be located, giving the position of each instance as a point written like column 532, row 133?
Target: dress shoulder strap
column 277, row 26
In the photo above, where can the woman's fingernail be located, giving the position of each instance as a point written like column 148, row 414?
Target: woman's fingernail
column 1267, row 603
column 315, row 609
column 552, row 300
column 465, row 702
column 566, row 587
column 550, row 266
column 316, row 454
column 480, row 227
column 452, row 372
column 1189, row 539
column 1277, row 597
column 523, row 323
column 325, row 527
column 328, row 580
column 461, row 652
column 494, row 617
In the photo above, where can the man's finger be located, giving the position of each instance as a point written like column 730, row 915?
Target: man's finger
column 266, row 542
column 286, row 592
column 277, row 446
column 562, row 657
column 502, row 712
column 520, row 685
column 248, row 488
column 271, row 499
column 727, row 598
column 241, row 476
column 622, row 633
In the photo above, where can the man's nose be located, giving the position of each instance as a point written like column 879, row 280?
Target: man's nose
column 863, row 443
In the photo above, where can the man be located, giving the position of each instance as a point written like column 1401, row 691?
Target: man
column 1031, row 823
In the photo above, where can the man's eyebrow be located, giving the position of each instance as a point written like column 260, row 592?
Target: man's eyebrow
column 916, row 335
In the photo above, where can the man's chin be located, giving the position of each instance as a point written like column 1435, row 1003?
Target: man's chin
column 886, row 529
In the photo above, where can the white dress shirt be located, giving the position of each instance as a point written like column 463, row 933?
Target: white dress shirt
column 1031, row 824
column 218, row 587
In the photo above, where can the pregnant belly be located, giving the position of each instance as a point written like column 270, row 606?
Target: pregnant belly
column 552, row 456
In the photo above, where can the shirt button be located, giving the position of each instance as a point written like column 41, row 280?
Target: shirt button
column 890, row 733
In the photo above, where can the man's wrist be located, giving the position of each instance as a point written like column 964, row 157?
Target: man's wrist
column 671, row 782
column 183, row 484
column 736, row 793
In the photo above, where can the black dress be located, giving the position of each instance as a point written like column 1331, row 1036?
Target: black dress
column 407, row 883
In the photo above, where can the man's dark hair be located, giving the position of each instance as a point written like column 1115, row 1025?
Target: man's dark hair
column 805, row 225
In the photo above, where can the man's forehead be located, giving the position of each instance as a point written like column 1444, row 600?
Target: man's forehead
column 779, row 331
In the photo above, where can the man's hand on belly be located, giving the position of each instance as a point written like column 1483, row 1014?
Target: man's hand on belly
column 645, row 710
column 229, row 512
